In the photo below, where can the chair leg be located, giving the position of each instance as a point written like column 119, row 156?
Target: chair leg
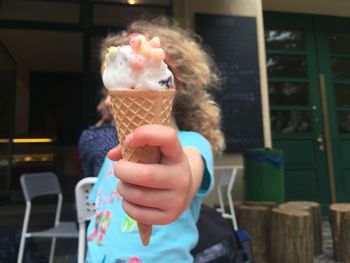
column 21, row 249
column 52, row 250
column 24, row 232
column 81, row 243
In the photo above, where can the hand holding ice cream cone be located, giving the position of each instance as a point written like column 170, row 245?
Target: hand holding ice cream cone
column 141, row 89
column 153, row 193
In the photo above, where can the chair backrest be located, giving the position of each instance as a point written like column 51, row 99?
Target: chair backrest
column 227, row 176
column 39, row 184
column 85, row 209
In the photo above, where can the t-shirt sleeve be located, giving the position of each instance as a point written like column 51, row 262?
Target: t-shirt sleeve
column 197, row 141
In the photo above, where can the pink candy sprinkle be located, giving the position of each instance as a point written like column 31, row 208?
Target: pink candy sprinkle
column 148, row 49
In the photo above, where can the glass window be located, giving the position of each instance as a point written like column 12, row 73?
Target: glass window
column 48, row 11
column 45, row 50
column 340, row 42
column 342, row 94
column 344, row 121
column 95, row 64
column 95, row 69
column 292, row 93
column 286, row 66
column 341, row 68
column 115, row 15
column 284, row 39
column 58, row 115
column 137, row 2
column 291, row 121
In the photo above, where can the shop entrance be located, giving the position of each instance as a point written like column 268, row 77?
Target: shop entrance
column 308, row 64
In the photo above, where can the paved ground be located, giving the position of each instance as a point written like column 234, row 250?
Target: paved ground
column 66, row 249
column 327, row 256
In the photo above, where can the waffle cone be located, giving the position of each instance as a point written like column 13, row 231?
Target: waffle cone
column 145, row 232
column 133, row 108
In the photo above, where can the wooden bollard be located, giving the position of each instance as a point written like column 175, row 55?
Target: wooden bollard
column 256, row 220
column 291, row 236
column 314, row 209
column 270, row 205
column 339, row 217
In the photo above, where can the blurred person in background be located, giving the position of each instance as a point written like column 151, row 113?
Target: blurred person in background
column 98, row 139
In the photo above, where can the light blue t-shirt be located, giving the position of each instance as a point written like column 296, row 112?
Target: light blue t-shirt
column 113, row 236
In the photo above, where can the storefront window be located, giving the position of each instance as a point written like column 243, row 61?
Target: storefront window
column 284, row 39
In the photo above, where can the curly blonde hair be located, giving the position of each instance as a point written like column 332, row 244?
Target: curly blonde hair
column 195, row 73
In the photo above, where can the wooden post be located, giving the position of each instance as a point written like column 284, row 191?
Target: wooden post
column 339, row 217
column 256, row 220
column 315, row 210
column 291, row 236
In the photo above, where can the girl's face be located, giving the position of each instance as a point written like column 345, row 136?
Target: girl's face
column 104, row 109
column 108, row 101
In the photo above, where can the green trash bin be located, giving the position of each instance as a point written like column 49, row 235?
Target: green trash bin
column 264, row 175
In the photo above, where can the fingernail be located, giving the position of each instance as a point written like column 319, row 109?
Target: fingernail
column 129, row 138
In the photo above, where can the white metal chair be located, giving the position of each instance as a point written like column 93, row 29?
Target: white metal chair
column 44, row 184
column 227, row 176
column 85, row 211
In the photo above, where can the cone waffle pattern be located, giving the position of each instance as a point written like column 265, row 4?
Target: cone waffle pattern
column 133, row 108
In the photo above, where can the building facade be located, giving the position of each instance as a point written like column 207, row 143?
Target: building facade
column 50, row 81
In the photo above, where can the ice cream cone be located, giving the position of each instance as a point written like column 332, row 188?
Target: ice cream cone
column 145, row 232
column 133, row 108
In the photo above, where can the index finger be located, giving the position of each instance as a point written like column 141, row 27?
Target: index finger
column 115, row 154
column 157, row 135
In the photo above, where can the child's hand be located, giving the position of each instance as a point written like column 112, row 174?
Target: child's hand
column 158, row 193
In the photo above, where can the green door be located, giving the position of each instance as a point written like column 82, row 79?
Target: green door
column 333, row 46
column 308, row 64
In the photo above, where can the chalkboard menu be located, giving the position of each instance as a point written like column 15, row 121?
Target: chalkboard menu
column 233, row 43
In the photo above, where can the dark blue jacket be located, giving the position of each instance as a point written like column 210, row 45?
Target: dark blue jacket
column 94, row 144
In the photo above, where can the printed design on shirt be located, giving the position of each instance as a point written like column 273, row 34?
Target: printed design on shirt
column 103, row 217
column 114, row 196
column 98, row 198
column 129, row 224
column 132, row 259
column 102, row 220
column 110, row 170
